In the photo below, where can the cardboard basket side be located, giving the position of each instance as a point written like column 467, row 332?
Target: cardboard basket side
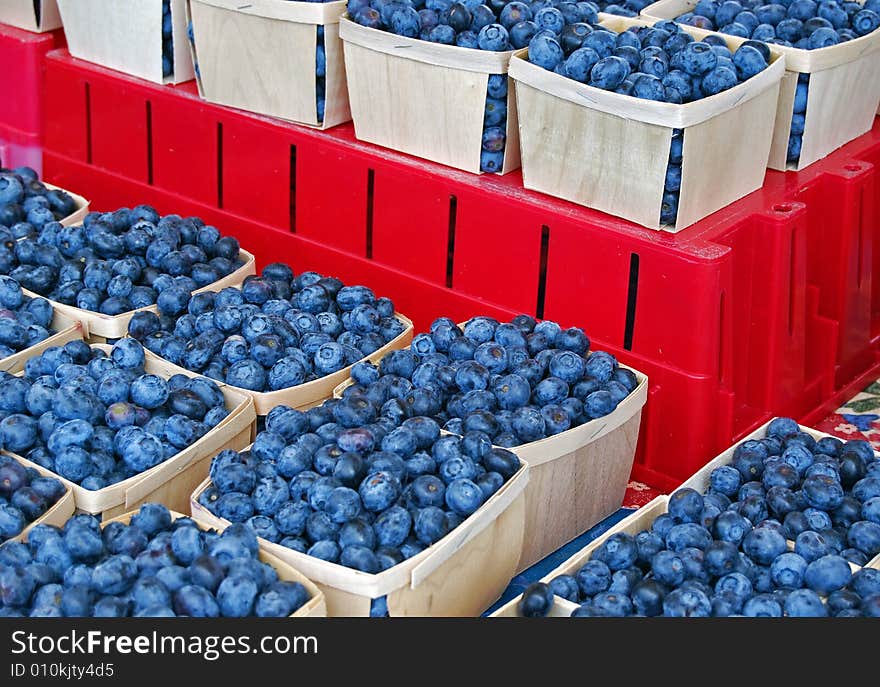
column 578, row 490
column 21, row 13
column 422, row 98
column 116, row 326
column 302, row 12
column 172, row 479
column 314, row 608
column 440, row 579
column 126, row 36
column 260, row 57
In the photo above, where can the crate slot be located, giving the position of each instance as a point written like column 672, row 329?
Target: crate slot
column 292, row 202
column 450, row 242
column 219, row 164
column 542, row 271
column 371, row 188
column 632, row 294
column 149, row 108
column 88, row 94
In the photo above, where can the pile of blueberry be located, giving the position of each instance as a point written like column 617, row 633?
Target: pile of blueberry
column 349, row 483
column 24, row 321
column 167, row 40
column 320, row 73
column 494, row 25
column 119, row 261
column 96, row 419
column 659, row 62
column 672, row 183
column 774, row 535
column 627, row 8
column 152, row 567
column 26, row 205
column 25, row 496
column 273, row 332
column 798, row 119
column 803, row 24
column 503, row 383
column 191, row 36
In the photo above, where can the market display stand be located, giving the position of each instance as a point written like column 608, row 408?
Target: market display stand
column 766, row 307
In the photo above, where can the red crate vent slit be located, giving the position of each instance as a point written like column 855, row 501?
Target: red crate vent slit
column 734, row 320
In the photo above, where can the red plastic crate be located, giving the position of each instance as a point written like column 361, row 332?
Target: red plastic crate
column 21, row 82
column 748, row 313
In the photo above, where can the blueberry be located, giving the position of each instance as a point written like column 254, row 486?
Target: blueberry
column 609, row 72
column 688, row 535
column 725, row 480
column 647, row 598
column 804, row 603
column 430, row 525
column 546, row 52
column 593, row 577
column 564, row 586
column 464, row 497
column 128, row 354
column 195, row 602
column 686, row 505
column 717, row 80
column 379, row 491
column 280, row 600
column 865, row 536
column 827, row 574
column 619, row 551
column 822, row 492
column 687, row 603
column 668, row 568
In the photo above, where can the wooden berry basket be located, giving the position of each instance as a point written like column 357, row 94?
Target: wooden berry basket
column 313, row 608
column 641, row 519
column 57, row 515
column 576, row 478
column 842, row 99
column 260, row 56
column 66, row 329
column 127, row 36
column 645, row 516
column 460, row 575
column 626, row 140
column 170, row 482
column 424, row 98
column 632, row 524
column 21, row 13
column 312, row 393
column 99, row 327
